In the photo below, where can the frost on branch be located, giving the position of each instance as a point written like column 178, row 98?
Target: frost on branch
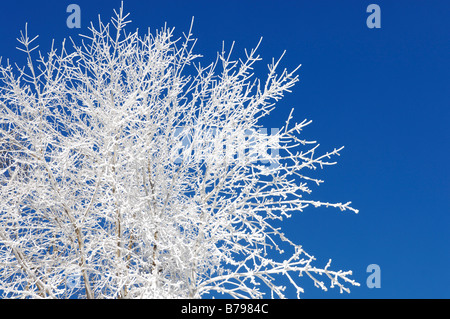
column 129, row 170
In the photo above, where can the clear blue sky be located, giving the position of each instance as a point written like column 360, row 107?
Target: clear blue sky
column 383, row 93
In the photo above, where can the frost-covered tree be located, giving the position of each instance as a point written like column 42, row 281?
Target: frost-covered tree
column 128, row 170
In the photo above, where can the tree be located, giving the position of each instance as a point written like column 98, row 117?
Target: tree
column 128, row 170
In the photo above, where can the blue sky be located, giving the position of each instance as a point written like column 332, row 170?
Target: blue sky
column 383, row 93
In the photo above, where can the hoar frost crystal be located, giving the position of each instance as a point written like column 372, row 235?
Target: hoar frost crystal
column 115, row 182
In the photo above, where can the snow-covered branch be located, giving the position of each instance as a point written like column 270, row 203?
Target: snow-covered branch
column 129, row 170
